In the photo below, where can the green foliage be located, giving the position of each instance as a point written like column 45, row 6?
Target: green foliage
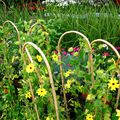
column 84, row 97
column 95, row 22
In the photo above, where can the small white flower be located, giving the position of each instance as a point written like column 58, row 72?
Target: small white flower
column 105, row 46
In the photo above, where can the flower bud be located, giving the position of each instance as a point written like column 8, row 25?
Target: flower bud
column 70, row 49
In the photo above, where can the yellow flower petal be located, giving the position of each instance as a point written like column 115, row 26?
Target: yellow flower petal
column 68, row 73
column 30, row 68
column 39, row 58
column 55, row 57
column 113, row 84
column 41, row 92
column 28, row 95
column 90, row 97
column 89, row 117
column 118, row 112
column 49, row 118
column 67, row 86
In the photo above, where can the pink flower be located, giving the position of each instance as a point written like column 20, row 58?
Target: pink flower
column 31, row 8
column 93, row 49
column 63, row 49
column 118, row 48
column 34, row 6
column 42, row 8
column 71, row 53
column 106, row 54
column 69, row 65
column 64, row 53
column 76, row 49
column 55, row 52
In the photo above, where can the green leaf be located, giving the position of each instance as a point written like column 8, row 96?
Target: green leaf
column 111, row 67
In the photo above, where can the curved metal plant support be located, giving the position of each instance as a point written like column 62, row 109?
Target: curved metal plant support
column 37, row 23
column 18, row 33
column 43, row 28
column 30, row 32
column 4, row 5
column 61, row 69
column 49, row 72
column 118, row 94
column 117, row 64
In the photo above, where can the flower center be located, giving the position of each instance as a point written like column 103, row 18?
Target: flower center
column 113, row 83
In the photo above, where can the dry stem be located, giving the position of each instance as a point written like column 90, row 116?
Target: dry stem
column 33, row 99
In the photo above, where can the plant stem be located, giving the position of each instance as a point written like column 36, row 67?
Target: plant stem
column 33, row 98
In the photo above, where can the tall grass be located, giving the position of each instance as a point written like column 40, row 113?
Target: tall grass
column 94, row 22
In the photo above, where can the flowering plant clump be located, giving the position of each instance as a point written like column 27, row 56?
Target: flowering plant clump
column 79, row 82
column 25, row 91
column 79, row 90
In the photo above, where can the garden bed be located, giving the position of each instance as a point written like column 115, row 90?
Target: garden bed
column 49, row 73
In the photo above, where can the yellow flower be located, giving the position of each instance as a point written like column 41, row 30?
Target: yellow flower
column 86, row 111
column 49, row 118
column 118, row 112
column 55, row 57
column 67, row 74
column 45, row 33
column 30, row 68
column 41, row 92
column 90, row 97
column 81, row 88
column 28, row 95
column 67, row 86
column 39, row 58
column 113, row 84
column 89, row 117
column 69, row 82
